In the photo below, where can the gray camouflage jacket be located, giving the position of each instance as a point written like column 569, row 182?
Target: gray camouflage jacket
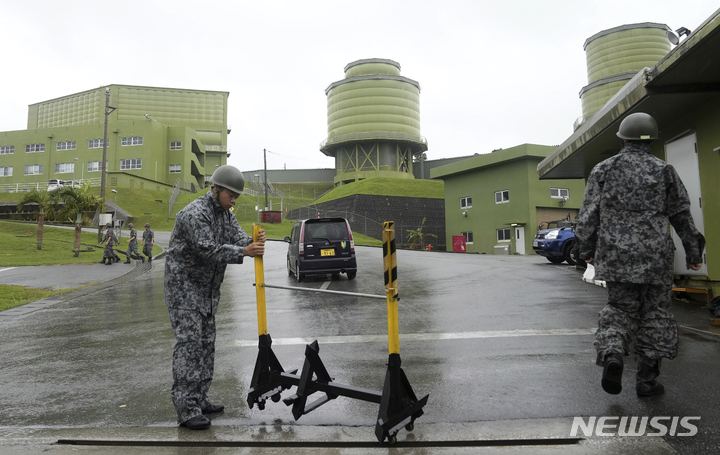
column 133, row 237
column 630, row 200
column 205, row 239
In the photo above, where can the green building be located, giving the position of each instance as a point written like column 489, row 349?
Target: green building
column 497, row 202
column 681, row 92
column 156, row 138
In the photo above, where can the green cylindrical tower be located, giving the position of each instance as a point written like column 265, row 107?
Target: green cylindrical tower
column 373, row 122
column 615, row 55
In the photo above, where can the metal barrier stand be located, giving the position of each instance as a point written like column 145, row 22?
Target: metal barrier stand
column 399, row 407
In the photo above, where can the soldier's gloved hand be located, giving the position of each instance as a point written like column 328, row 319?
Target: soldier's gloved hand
column 694, row 266
column 254, row 249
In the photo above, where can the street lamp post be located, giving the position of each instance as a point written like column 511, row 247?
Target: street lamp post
column 108, row 110
column 74, row 164
column 257, row 208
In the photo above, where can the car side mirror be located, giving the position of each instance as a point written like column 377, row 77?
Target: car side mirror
column 286, row 239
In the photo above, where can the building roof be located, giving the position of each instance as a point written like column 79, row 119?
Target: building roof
column 495, row 158
column 688, row 77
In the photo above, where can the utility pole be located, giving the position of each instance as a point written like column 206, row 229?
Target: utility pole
column 108, row 110
column 265, row 190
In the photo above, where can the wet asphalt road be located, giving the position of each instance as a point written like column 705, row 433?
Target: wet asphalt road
column 503, row 345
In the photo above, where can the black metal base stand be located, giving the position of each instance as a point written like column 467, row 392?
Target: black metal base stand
column 399, row 407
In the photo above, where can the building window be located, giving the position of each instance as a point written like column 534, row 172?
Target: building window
column 34, row 169
column 34, row 148
column 503, row 235
column 7, row 149
column 559, row 193
column 6, row 171
column 177, row 145
column 64, row 168
column 468, row 237
column 174, row 168
column 94, row 166
column 502, row 196
column 135, row 163
column 465, row 202
column 133, row 140
column 67, row 145
column 95, row 143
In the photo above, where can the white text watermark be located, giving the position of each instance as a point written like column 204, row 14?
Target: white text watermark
column 634, row 426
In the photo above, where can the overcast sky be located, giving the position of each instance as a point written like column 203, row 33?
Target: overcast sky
column 493, row 74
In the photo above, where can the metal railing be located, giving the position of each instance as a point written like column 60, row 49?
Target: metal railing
column 25, row 187
column 373, row 135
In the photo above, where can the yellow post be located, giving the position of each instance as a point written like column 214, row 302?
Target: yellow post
column 391, row 289
column 260, row 287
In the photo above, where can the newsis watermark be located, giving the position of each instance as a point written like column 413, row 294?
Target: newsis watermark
column 634, row 426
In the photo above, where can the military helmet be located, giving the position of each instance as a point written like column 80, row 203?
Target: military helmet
column 147, row 224
column 638, row 127
column 108, row 224
column 229, row 177
column 131, row 225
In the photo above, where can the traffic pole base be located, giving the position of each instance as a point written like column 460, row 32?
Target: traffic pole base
column 266, row 383
column 399, row 407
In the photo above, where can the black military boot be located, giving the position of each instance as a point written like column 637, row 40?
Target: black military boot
column 612, row 373
column 102, row 262
column 199, row 422
column 127, row 261
column 646, row 385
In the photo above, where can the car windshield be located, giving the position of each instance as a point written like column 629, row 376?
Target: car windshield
column 331, row 230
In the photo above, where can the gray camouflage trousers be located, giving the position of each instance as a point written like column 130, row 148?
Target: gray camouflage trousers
column 193, row 361
column 639, row 313
column 132, row 251
column 109, row 253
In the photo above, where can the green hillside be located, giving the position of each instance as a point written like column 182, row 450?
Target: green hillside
column 380, row 186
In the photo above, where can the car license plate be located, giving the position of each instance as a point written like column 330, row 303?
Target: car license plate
column 535, row 243
column 327, row 252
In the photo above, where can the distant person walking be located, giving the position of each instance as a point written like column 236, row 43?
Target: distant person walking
column 132, row 251
column 110, row 240
column 148, row 241
column 205, row 239
column 623, row 227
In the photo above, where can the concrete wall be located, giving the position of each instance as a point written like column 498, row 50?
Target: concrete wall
column 367, row 213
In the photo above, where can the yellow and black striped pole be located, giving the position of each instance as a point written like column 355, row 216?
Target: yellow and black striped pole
column 391, row 289
column 260, row 287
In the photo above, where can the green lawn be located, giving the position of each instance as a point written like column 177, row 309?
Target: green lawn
column 19, row 241
column 13, row 296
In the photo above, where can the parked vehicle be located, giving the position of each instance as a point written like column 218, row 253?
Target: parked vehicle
column 557, row 243
column 321, row 246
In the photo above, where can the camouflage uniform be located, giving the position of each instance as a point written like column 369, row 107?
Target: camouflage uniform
column 630, row 199
column 148, row 241
column 110, row 240
column 132, row 251
column 205, row 239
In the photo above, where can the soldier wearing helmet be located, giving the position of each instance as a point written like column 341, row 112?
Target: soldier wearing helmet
column 132, row 251
column 622, row 227
column 109, row 240
column 148, row 242
column 205, row 239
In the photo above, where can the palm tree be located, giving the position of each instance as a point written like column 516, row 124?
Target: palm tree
column 77, row 201
column 415, row 235
column 47, row 206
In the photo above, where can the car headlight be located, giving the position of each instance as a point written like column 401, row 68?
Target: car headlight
column 552, row 234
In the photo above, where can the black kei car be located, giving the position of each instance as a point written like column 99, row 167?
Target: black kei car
column 321, row 246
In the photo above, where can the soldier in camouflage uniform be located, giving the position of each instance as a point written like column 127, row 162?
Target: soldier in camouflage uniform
column 623, row 230
column 205, row 239
column 148, row 241
column 109, row 240
column 132, row 251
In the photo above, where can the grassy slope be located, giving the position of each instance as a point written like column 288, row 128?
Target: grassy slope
column 13, row 296
column 380, row 186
